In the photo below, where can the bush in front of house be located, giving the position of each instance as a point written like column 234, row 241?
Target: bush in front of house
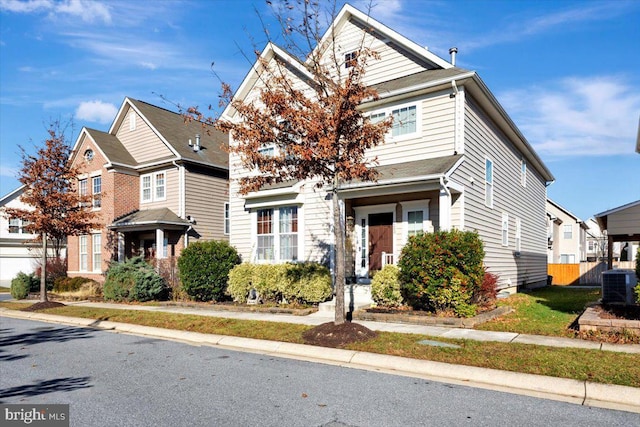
column 302, row 283
column 204, row 269
column 22, row 284
column 385, row 287
column 442, row 271
column 56, row 268
column 69, row 284
column 488, row 293
column 134, row 280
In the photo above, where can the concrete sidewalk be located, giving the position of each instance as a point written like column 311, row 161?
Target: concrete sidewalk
column 567, row 390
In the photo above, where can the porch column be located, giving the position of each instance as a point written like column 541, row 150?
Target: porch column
column 120, row 247
column 444, row 208
column 159, row 243
column 609, row 252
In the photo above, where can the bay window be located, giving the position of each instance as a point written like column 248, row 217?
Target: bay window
column 277, row 234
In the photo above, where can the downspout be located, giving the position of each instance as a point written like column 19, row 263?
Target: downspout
column 448, row 209
column 182, row 200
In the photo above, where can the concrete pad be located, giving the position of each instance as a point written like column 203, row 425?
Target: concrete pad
column 621, row 348
column 471, row 334
column 557, row 342
column 613, row 397
column 314, row 352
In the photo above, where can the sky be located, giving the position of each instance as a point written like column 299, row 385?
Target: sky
column 567, row 72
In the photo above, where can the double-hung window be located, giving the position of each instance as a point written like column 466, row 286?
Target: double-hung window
column 350, row 59
column 488, row 183
column 227, row 218
column 83, row 250
column 277, row 234
column 404, row 120
column 568, row 232
column 97, row 191
column 153, row 187
column 518, row 235
column 415, row 220
column 96, row 251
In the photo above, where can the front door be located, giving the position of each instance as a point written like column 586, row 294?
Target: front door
column 380, row 238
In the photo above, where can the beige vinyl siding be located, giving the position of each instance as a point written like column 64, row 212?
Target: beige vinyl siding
column 318, row 237
column 394, row 62
column 205, row 196
column 240, row 224
column 435, row 136
column 172, row 191
column 482, row 140
column 142, row 143
column 625, row 221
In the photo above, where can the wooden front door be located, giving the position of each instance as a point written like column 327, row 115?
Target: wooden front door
column 380, row 238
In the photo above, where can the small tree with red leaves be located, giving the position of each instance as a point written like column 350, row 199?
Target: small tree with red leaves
column 319, row 131
column 58, row 210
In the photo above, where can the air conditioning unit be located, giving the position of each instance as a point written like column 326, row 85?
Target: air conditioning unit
column 617, row 286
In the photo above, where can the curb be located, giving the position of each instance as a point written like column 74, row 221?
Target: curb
column 567, row 390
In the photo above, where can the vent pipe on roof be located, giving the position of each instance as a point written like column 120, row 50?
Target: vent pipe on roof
column 196, row 147
column 453, row 52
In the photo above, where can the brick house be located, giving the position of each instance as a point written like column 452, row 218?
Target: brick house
column 156, row 182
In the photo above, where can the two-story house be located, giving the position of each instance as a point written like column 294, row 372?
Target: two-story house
column 155, row 182
column 567, row 236
column 453, row 159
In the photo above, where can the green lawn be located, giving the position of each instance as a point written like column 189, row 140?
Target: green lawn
column 597, row 366
column 4, row 290
column 545, row 311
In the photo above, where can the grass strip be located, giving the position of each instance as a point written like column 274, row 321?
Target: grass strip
column 592, row 365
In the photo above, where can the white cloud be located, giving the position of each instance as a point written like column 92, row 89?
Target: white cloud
column 577, row 116
column 9, row 171
column 96, row 111
column 87, row 10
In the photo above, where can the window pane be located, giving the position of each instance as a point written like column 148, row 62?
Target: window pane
column 376, row 118
column 83, row 252
column 268, row 151
column 82, row 187
column 97, row 252
column 265, row 248
column 146, row 188
column 265, row 218
column 288, row 233
column 415, row 220
column 160, row 185
column 97, row 189
column 227, row 224
column 404, row 121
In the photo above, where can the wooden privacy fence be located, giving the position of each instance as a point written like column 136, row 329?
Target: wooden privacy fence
column 585, row 273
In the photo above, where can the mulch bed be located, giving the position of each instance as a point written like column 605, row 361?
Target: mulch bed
column 627, row 312
column 331, row 335
column 43, row 306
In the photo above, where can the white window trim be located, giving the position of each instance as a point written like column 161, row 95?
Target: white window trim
column 93, row 194
column 96, row 268
column 505, row 229
column 388, row 112
column 362, row 212
column 489, row 184
column 85, row 267
column 276, row 233
column 564, row 232
column 226, row 214
column 518, row 237
column 413, row 206
column 523, row 173
column 153, row 178
column 132, row 121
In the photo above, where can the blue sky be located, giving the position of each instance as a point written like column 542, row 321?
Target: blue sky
column 568, row 72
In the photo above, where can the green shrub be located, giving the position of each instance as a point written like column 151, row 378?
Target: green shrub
column 308, row 283
column 637, row 291
column 134, row 280
column 22, row 284
column 303, row 283
column 429, row 263
column 385, row 287
column 204, row 269
column 69, row 284
column 638, row 265
column 488, row 292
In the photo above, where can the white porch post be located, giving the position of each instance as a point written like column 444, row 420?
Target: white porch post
column 159, row 243
column 120, row 247
column 445, row 208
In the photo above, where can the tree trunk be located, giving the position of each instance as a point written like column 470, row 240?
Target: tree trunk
column 338, row 233
column 43, row 270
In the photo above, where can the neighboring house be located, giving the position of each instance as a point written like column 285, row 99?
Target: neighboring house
column 596, row 241
column 156, row 183
column 18, row 252
column 454, row 159
column 567, row 236
column 622, row 224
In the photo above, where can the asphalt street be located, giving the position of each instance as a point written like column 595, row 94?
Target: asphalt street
column 116, row 379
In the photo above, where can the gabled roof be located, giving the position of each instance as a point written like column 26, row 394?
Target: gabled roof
column 618, row 209
column 12, row 195
column 149, row 218
column 111, row 147
column 566, row 211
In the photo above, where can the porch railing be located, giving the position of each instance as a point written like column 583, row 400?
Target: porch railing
column 387, row 258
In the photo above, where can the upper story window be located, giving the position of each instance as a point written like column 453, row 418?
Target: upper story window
column 82, row 187
column 404, row 121
column 518, row 234
column 488, row 183
column 350, row 59
column 16, row 226
column 153, row 187
column 267, row 150
column 377, row 117
column 523, row 173
column 227, row 220
column 132, row 121
column 568, row 231
column 97, row 191
column 505, row 229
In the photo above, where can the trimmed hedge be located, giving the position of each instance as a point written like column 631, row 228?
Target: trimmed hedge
column 303, row 283
column 204, row 269
column 385, row 287
column 134, row 280
column 442, row 271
